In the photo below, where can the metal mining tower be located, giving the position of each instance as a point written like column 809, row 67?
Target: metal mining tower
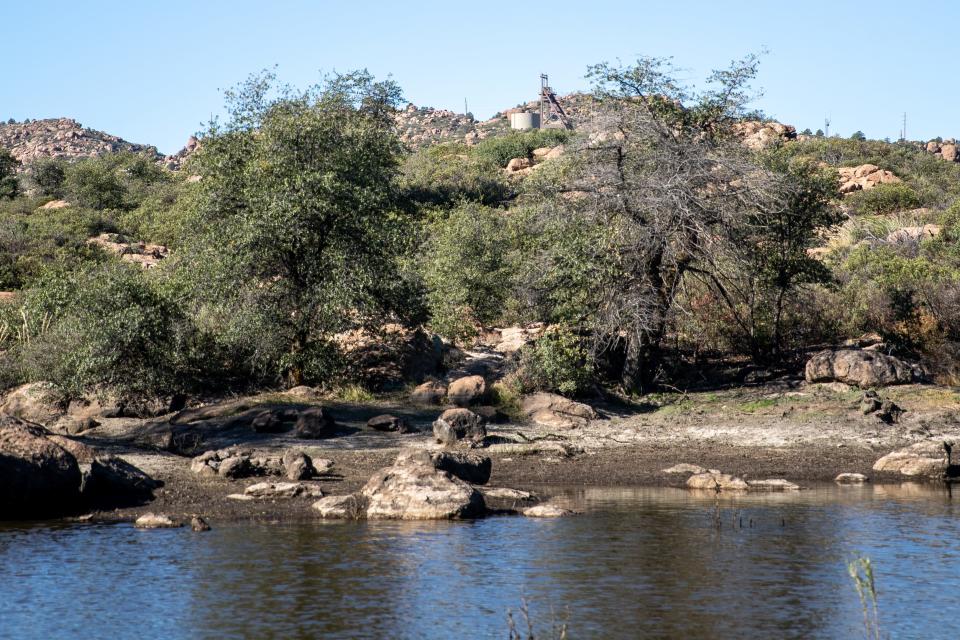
column 552, row 115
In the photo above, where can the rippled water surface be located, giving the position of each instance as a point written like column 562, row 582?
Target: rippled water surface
column 638, row 563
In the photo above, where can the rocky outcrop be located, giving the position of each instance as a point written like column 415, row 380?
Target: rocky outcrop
column 929, row 459
column 459, row 426
column 136, row 252
column 63, row 138
column 555, row 411
column 858, row 367
column 176, row 161
column 864, row 178
column 758, row 135
column 509, row 340
column 947, row 149
column 41, row 402
column 413, row 489
column 37, row 476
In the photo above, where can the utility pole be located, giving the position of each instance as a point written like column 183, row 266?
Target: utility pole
column 465, row 109
column 903, row 132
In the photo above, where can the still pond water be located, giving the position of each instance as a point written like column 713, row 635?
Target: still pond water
column 638, row 563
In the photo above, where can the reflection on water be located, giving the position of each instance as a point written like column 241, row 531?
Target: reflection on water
column 640, row 562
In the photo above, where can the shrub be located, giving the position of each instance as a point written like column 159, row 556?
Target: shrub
column 518, row 144
column 101, row 326
column 559, row 361
column 884, row 199
column 444, row 175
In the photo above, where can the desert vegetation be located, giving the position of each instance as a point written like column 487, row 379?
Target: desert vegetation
column 648, row 241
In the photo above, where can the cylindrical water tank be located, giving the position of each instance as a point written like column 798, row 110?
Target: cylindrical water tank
column 524, row 120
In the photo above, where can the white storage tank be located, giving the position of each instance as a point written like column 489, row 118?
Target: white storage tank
column 524, row 120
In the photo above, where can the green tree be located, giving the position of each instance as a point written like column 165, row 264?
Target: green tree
column 9, row 184
column 49, row 175
column 299, row 233
column 858, row 135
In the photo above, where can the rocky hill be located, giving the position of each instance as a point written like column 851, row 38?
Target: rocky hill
column 423, row 126
column 63, row 138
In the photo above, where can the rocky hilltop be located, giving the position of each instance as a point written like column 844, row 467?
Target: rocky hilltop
column 63, row 138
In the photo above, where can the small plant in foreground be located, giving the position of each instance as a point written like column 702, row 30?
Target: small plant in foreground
column 861, row 572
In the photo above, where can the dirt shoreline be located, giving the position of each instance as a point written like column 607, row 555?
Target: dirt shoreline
column 806, row 434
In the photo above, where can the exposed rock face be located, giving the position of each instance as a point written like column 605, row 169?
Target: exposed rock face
column 459, row 426
column 509, row 340
column 412, row 489
column 929, row 459
column 175, row 162
column 717, row 482
column 555, row 411
column 40, row 402
column 136, row 252
column 37, row 476
column 430, row 392
column 63, row 138
column 858, row 367
column 467, row 390
column 315, row 423
column 864, row 178
column 758, row 135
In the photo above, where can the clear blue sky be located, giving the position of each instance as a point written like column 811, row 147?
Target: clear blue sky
column 151, row 71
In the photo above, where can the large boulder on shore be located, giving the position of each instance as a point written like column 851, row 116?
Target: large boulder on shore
column 41, row 402
column 430, row 392
column 469, row 467
column 314, row 423
column 455, row 426
column 555, row 411
column 413, row 489
column 37, row 476
column 860, row 367
column 467, row 390
column 929, row 459
column 110, row 481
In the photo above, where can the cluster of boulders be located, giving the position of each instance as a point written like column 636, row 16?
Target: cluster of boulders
column 234, row 463
column 175, row 162
column 137, row 252
column 439, row 485
column 524, row 166
column 43, row 474
column 423, row 126
column 913, row 235
column 864, row 177
column 63, row 138
column 946, row 149
column 715, row 480
column 758, row 135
